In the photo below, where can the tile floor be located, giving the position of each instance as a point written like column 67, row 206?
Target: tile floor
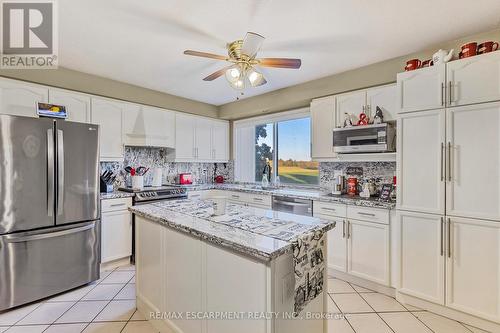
column 108, row 306
column 366, row 311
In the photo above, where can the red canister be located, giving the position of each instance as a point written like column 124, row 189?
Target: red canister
column 352, row 186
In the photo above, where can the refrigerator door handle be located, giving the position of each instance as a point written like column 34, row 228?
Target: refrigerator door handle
column 60, row 172
column 44, row 235
column 50, row 172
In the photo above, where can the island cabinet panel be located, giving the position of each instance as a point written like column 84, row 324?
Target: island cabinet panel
column 235, row 284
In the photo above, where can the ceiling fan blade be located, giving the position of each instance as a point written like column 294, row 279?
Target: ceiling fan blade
column 251, row 44
column 263, row 82
column 205, row 55
column 280, row 62
column 217, row 74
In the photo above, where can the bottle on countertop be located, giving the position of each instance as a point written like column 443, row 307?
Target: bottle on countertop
column 393, row 192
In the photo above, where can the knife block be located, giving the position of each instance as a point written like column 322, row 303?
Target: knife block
column 105, row 188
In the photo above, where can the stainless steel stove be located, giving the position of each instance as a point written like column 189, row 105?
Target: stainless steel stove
column 148, row 194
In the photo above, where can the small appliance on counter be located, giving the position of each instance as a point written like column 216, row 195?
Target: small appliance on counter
column 184, row 179
column 219, row 179
column 339, row 184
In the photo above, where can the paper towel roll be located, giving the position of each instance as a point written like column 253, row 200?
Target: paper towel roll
column 157, row 175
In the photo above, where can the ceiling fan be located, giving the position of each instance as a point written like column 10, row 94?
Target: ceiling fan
column 242, row 56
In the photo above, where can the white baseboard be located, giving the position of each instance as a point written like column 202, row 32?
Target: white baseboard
column 115, row 263
column 389, row 291
column 163, row 326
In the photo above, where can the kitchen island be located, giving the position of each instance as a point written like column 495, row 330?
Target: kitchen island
column 197, row 272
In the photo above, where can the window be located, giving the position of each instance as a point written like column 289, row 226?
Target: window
column 283, row 141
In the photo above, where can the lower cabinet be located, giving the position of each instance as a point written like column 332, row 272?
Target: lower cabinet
column 116, row 230
column 337, row 246
column 368, row 251
column 451, row 261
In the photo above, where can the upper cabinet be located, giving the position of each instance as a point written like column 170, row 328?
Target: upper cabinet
column 108, row 115
column 474, row 80
column 220, row 141
column 422, row 89
column 185, row 128
column 322, row 125
column 149, row 126
column 203, row 139
column 77, row 105
column 352, row 103
column 18, row 98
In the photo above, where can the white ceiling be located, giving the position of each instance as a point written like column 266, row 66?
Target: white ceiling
column 141, row 42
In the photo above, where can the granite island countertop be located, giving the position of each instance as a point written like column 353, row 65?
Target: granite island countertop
column 260, row 233
column 116, row 195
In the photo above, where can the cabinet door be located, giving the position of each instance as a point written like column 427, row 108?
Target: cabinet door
column 421, row 169
column 368, row 251
column 220, row 141
column 352, row 103
column 322, row 124
column 160, row 127
column 474, row 80
column 422, row 255
column 19, row 98
column 185, row 126
column 77, row 105
column 385, row 98
column 204, row 139
column 473, row 267
column 116, row 235
column 474, row 151
column 422, row 89
column 108, row 115
column 337, row 245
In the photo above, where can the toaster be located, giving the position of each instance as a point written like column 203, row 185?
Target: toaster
column 184, row 179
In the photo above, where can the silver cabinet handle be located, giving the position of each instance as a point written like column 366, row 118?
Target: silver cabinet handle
column 442, row 236
column 117, row 205
column 44, row 235
column 50, row 172
column 258, row 199
column 449, row 237
column 366, row 214
column 235, row 196
column 60, row 172
column 330, row 209
column 442, row 160
column 349, row 229
column 449, row 162
column 343, row 228
column 450, row 94
column 442, row 93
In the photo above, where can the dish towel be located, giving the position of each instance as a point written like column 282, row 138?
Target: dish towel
column 309, row 266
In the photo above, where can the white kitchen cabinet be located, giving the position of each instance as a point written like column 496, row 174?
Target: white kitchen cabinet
column 473, row 139
column 185, row 128
column 421, row 89
column 421, row 162
column 337, row 245
column 19, row 98
column 116, row 229
column 473, row 267
column 474, row 80
column 149, row 126
column 385, row 97
column 203, row 139
column 322, row 125
column 108, row 115
column 77, row 105
column 352, row 103
column 422, row 250
column 220, row 141
column 368, row 251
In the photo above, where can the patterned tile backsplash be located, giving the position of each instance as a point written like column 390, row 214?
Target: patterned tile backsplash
column 376, row 172
column 157, row 158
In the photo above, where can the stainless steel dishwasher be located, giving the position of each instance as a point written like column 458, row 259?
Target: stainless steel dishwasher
column 292, row 205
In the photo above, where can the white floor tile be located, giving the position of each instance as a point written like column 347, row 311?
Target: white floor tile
column 412, row 308
column 368, row 323
column 126, row 268
column 82, row 312
column 351, row 303
column 119, row 277
column 117, row 311
column 66, row 328
column 128, row 292
column 361, row 289
column 132, row 280
column 382, row 303
column 10, row 317
column 103, row 275
column 404, row 322
column 27, row 329
column 474, row 329
column 138, row 316
column 440, row 324
column 339, row 326
column 331, row 307
column 72, row 296
column 105, row 327
column 3, row 328
column 46, row 313
column 339, row 286
column 139, row 327
column 103, row 292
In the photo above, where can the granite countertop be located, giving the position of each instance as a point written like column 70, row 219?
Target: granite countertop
column 301, row 193
column 259, row 233
column 116, row 195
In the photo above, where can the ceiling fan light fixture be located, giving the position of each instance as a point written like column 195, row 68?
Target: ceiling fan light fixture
column 256, row 79
column 238, row 84
column 234, row 74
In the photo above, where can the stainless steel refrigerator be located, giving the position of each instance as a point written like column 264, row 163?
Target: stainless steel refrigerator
column 49, row 207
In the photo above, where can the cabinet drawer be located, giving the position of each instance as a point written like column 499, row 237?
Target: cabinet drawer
column 259, row 199
column 238, row 197
column 329, row 209
column 368, row 214
column 111, row 205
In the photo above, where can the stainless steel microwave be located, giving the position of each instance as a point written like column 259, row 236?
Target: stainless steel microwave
column 377, row 138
